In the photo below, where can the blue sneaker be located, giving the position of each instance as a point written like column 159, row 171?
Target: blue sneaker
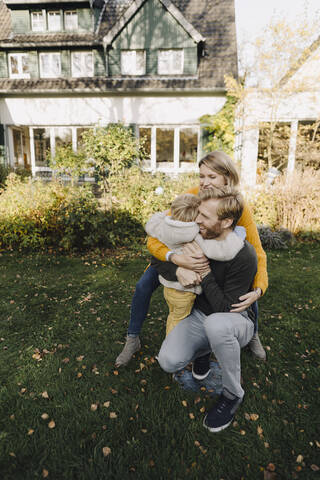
column 201, row 367
column 222, row 414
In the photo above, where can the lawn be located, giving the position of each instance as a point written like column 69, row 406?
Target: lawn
column 67, row 413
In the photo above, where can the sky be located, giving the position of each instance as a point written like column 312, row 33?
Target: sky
column 253, row 15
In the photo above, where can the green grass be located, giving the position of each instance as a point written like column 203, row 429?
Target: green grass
column 62, row 323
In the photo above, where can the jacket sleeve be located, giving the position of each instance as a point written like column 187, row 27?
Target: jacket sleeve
column 166, row 269
column 247, row 221
column 158, row 249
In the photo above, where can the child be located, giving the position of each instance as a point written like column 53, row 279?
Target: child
column 175, row 231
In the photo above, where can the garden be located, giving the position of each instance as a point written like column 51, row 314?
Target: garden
column 69, row 261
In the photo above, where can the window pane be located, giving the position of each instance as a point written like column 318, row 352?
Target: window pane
column 188, row 145
column 14, row 64
column 145, row 133
column 80, row 131
column 55, row 64
column 37, row 22
column 140, row 62
column 63, row 136
column 25, row 63
column 71, row 20
column 82, row 64
column 54, row 21
column 308, row 144
column 273, row 147
column 41, row 146
column 88, row 64
column 133, row 62
column 170, row 62
column 165, row 144
column 76, row 64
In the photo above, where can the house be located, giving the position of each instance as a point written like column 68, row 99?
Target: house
column 294, row 109
column 156, row 65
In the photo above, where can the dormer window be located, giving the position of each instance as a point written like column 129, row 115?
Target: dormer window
column 82, row 64
column 70, row 20
column 170, row 62
column 54, row 21
column 19, row 65
column 38, row 22
column 133, row 62
column 50, row 65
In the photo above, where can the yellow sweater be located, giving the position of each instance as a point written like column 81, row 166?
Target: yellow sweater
column 159, row 250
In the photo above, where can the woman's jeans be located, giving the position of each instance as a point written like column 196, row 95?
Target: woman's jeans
column 145, row 287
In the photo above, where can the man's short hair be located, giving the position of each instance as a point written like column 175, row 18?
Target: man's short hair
column 185, row 207
column 230, row 205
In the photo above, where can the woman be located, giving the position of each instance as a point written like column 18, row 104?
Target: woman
column 216, row 169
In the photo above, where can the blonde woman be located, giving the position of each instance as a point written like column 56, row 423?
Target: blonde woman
column 215, row 169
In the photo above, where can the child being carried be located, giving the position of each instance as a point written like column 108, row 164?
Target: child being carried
column 175, row 231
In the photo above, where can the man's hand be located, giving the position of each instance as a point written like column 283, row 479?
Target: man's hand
column 246, row 300
column 188, row 278
column 192, row 258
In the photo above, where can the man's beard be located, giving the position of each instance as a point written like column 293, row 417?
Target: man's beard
column 214, row 232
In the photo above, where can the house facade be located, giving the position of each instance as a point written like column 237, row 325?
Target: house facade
column 156, row 65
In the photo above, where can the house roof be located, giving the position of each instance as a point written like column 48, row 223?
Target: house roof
column 306, row 54
column 134, row 7
column 212, row 20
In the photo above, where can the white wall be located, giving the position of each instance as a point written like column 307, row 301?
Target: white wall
column 90, row 110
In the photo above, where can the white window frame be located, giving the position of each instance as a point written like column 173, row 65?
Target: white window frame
column 20, row 73
column 73, row 15
column 174, row 68
column 49, row 74
column 54, row 14
column 133, row 60
column 82, row 64
column 38, row 21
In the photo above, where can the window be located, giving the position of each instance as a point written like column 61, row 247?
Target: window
column 188, row 145
column 54, row 21
column 50, row 65
column 273, row 146
column 19, row 65
column 41, row 146
column 38, row 22
column 145, row 134
column 308, row 144
column 133, row 62
column 170, row 62
column 70, row 20
column 165, row 144
column 82, row 64
column 63, row 136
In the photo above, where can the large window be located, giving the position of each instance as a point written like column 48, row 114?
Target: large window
column 19, row 65
column 133, row 62
column 54, row 21
column 41, row 146
column 50, row 65
column 273, row 147
column 308, row 144
column 70, row 20
column 170, row 62
column 38, row 21
column 165, row 144
column 188, row 145
column 82, row 64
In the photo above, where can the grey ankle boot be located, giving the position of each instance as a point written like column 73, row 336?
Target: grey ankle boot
column 131, row 347
column 257, row 348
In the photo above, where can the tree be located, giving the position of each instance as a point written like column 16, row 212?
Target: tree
column 220, row 128
column 67, row 161
column 110, row 150
column 274, row 76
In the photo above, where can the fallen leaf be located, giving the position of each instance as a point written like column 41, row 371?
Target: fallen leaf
column 106, row 404
column 143, row 430
column 197, row 444
column 271, row 467
column 51, row 424
column 93, row 407
column 299, row 459
column 151, row 463
column 106, row 451
column 314, row 468
column 45, row 394
column 45, row 473
column 66, row 360
column 113, row 415
column 242, row 432
column 191, row 416
column 79, row 374
column 30, row 431
column 184, row 403
column 12, row 454
column 115, row 372
column 80, row 358
column 254, row 416
column 44, row 416
column 247, row 416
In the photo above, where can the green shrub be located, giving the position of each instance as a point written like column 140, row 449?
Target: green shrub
column 35, row 215
column 4, row 172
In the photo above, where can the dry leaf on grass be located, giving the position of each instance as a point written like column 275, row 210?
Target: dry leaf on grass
column 45, row 473
column 106, row 451
column 44, row 416
column 45, row 394
column 113, row 415
column 51, row 424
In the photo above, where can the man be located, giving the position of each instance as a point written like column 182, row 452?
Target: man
column 211, row 327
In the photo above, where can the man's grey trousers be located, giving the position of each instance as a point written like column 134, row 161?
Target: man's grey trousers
column 224, row 334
